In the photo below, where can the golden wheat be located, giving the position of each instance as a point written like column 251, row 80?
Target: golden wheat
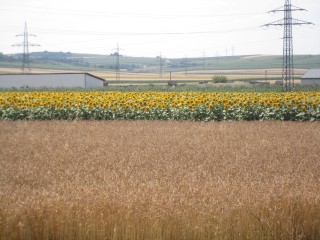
column 159, row 180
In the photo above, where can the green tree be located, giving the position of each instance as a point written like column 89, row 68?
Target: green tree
column 220, row 79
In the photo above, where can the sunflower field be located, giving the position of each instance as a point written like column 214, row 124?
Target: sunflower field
column 193, row 106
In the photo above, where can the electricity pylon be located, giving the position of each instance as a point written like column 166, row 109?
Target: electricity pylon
column 160, row 64
column 26, row 66
column 117, row 54
column 287, row 22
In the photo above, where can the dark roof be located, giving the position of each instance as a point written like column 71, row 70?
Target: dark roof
column 95, row 76
column 89, row 74
column 312, row 73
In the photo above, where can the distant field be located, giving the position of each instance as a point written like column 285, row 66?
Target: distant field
column 197, row 75
column 159, row 180
column 138, row 68
column 16, row 70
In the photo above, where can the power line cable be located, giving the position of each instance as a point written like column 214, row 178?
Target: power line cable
column 80, row 32
column 121, row 14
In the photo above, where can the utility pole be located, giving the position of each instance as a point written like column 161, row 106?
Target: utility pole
column 117, row 54
column 161, row 65
column 287, row 22
column 186, row 66
column 26, row 66
column 217, row 56
column 266, row 75
column 204, row 60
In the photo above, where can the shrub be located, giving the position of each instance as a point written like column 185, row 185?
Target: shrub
column 220, row 79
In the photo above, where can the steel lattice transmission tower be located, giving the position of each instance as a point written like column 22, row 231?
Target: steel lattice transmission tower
column 26, row 66
column 287, row 22
column 117, row 54
column 161, row 64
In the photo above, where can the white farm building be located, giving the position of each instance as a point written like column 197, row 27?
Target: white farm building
column 51, row 80
column 312, row 77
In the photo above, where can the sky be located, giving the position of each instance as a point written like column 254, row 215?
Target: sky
column 171, row 28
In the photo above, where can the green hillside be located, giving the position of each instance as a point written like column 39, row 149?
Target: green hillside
column 92, row 62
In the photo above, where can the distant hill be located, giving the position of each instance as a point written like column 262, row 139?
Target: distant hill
column 92, row 62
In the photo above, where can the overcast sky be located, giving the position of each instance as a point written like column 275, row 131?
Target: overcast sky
column 174, row 28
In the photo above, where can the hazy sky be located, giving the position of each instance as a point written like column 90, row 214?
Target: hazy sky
column 176, row 28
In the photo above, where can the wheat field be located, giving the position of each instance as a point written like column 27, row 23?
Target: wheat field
column 159, row 180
